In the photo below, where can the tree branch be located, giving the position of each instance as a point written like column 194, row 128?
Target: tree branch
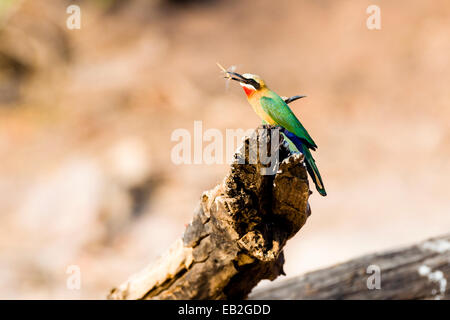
column 421, row 271
column 238, row 231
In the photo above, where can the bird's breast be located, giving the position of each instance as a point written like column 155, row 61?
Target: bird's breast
column 255, row 102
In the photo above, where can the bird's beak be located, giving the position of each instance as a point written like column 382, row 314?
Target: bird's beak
column 230, row 74
column 236, row 77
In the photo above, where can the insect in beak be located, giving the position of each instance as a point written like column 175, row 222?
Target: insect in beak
column 231, row 75
column 228, row 74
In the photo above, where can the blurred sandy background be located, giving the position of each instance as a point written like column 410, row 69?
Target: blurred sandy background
column 86, row 118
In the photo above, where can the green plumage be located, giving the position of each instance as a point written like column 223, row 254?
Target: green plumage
column 282, row 115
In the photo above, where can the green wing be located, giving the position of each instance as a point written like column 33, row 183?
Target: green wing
column 280, row 112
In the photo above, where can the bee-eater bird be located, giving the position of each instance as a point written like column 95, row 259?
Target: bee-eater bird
column 273, row 110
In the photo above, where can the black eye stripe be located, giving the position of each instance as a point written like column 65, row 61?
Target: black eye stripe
column 253, row 83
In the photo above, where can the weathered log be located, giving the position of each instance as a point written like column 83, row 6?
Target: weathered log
column 420, row 271
column 238, row 231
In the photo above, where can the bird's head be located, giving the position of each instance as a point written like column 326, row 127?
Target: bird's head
column 249, row 82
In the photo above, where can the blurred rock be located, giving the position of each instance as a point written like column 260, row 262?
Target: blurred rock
column 128, row 162
column 65, row 201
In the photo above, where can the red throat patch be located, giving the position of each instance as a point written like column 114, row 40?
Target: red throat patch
column 248, row 91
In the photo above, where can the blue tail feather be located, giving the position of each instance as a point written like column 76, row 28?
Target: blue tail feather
column 309, row 160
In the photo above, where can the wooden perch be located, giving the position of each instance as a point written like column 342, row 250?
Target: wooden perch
column 238, row 231
column 240, row 227
column 421, row 271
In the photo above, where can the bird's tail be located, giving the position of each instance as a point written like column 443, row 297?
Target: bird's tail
column 309, row 161
column 314, row 171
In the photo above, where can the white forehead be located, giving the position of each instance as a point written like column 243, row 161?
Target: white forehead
column 250, row 76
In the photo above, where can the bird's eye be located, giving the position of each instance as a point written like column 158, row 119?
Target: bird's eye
column 253, row 83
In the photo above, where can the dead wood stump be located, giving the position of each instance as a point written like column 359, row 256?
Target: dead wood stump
column 238, row 231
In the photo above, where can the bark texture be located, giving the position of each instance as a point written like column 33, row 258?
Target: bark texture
column 420, row 271
column 238, row 231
